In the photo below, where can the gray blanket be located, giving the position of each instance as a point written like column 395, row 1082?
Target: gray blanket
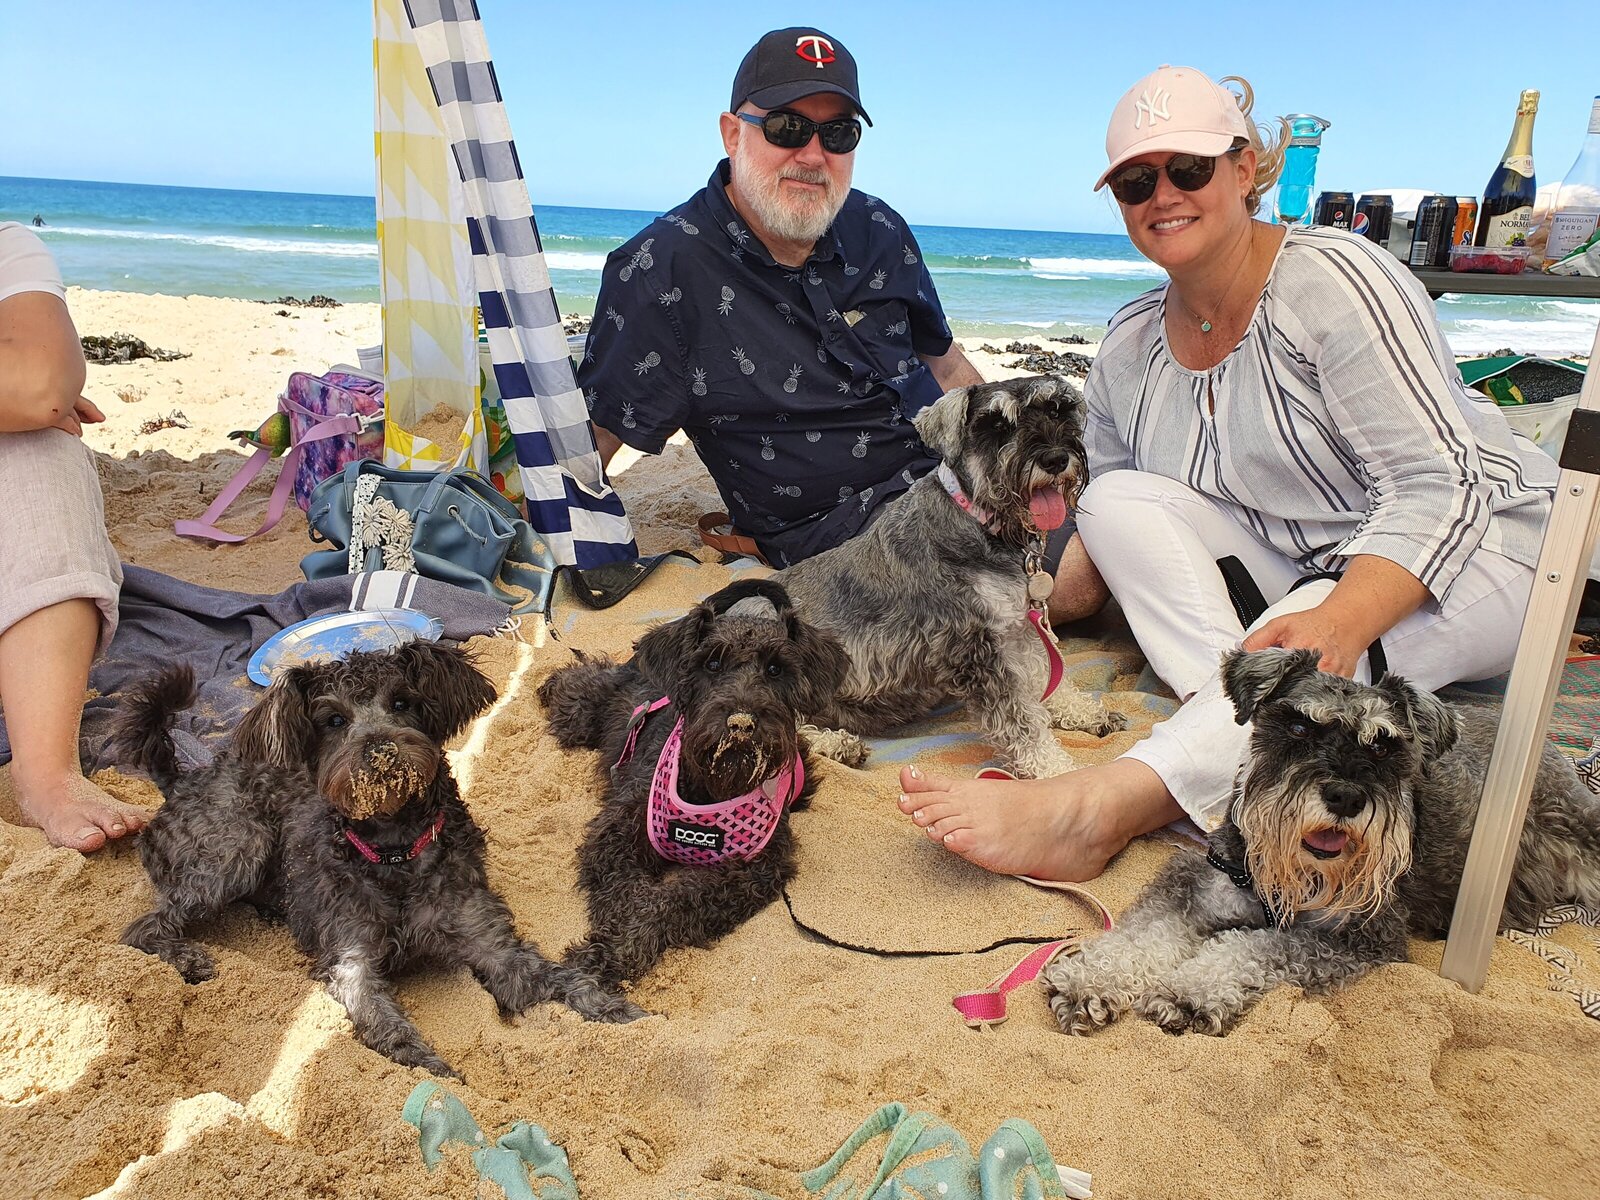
column 165, row 620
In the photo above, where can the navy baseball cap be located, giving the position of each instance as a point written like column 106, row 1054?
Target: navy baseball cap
column 787, row 64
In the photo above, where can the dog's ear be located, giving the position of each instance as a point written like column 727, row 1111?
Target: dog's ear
column 660, row 654
column 451, row 689
column 1250, row 679
column 941, row 424
column 1433, row 722
column 277, row 729
column 823, row 664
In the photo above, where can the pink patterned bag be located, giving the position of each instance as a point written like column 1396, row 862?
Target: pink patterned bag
column 334, row 419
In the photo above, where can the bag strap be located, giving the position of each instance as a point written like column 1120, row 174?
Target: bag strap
column 733, row 542
column 205, row 527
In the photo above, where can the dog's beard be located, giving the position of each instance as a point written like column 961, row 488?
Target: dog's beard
column 722, row 764
column 1023, row 497
column 1276, row 819
column 363, row 785
column 791, row 216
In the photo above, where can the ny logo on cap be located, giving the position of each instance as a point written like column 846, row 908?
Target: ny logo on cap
column 814, row 48
column 1152, row 107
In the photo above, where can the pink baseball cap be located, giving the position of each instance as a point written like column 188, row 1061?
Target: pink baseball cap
column 1177, row 110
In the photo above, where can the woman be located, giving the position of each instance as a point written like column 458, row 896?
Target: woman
column 59, row 576
column 1286, row 399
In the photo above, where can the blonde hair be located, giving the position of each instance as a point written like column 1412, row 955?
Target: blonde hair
column 1268, row 142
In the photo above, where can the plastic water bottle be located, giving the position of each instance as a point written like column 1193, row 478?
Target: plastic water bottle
column 1297, row 183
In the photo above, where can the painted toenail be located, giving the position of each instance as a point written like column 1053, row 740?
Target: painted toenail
column 916, row 772
column 917, row 816
column 116, row 826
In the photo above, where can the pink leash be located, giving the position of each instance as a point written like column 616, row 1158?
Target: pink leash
column 1057, row 667
column 987, row 1005
column 205, row 527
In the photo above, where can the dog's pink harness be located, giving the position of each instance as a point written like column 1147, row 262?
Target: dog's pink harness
column 386, row 857
column 1036, row 609
column 703, row 835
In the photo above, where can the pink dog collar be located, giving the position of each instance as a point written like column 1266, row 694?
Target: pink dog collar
column 703, row 835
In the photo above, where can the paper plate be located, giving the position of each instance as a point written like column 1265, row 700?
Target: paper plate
column 334, row 635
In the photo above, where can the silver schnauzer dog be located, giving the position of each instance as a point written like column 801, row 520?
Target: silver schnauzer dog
column 931, row 601
column 1347, row 833
column 333, row 806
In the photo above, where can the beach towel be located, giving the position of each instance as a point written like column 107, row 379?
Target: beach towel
column 896, row 1154
column 162, row 620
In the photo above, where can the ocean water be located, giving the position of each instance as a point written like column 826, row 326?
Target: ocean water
column 996, row 283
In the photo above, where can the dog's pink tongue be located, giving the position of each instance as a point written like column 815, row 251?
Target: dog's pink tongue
column 1048, row 506
column 1330, row 841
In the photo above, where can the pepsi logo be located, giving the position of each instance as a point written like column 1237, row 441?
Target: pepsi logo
column 1360, row 224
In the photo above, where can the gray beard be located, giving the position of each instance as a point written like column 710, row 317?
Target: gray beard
column 783, row 216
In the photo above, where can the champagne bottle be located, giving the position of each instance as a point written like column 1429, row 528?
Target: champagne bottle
column 1506, row 216
column 1576, row 211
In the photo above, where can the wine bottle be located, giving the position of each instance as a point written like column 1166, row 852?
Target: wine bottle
column 1576, row 210
column 1506, row 216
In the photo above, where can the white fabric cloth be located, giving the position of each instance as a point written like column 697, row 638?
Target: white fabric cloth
column 1140, row 528
column 25, row 263
column 1338, row 426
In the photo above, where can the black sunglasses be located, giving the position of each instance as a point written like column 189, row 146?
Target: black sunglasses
column 1188, row 172
column 791, row 131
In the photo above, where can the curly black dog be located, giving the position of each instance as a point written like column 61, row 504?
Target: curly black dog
column 334, row 806
column 738, row 684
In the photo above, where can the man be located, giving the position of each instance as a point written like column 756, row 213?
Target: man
column 785, row 321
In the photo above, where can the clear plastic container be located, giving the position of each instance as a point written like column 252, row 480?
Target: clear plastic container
column 1496, row 260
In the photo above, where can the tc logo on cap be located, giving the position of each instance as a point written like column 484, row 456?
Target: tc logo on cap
column 814, row 48
column 1151, row 107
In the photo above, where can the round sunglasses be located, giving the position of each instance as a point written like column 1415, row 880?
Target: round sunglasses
column 790, row 130
column 1188, row 172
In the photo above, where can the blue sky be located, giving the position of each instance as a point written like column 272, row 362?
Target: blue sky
column 987, row 115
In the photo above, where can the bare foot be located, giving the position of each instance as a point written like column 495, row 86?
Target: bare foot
column 1066, row 828
column 74, row 813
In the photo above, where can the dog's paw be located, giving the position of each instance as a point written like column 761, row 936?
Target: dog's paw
column 1083, row 1013
column 418, row 1054
column 624, row 1011
column 1181, row 1014
column 840, row 745
column 1043, row 762
column 193, row 962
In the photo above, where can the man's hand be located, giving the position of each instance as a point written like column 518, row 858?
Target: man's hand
column 82, row 413
column 1313, row 629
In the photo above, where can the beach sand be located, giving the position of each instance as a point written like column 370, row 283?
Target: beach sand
column 117, row 1079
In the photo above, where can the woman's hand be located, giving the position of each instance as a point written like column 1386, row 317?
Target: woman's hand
column 1372, row 597
column 1313, row 629
column 83, row 412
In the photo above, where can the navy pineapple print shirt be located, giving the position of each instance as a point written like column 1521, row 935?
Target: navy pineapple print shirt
column 796, row 385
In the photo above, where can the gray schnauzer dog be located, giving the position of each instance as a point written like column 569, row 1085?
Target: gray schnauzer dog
column 1347, row 833
column 738, row 685
column 931, row 601
column 333, row 806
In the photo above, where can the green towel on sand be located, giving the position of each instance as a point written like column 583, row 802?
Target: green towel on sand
column 895, row 1155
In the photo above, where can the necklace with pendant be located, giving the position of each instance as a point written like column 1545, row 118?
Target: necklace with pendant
column 1205, row 325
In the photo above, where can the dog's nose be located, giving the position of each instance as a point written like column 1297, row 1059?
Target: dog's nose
column 742, row 724
column 1055, row 462
column 1343, row 799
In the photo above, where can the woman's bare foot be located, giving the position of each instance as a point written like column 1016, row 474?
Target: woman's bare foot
column 1066, row 828
column 73, row 812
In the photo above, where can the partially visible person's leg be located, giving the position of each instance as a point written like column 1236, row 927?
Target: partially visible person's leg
column 1080, row 592
column 59, row 578
column 1156, row 543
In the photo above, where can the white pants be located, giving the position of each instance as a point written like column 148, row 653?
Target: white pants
column 1156, row 542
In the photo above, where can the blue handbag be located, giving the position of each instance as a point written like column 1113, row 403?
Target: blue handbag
column 452, row 526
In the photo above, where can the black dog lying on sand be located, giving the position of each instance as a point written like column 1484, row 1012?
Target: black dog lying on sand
column 703, row 759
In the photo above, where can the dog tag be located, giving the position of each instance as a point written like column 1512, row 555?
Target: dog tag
column 1040, row 586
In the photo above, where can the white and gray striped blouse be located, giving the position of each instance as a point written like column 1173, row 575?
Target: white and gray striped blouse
column 1341, row 425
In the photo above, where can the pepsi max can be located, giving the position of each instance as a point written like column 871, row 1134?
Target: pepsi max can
column 1373, row 216
column 1336, row 209
column 1431, row 236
